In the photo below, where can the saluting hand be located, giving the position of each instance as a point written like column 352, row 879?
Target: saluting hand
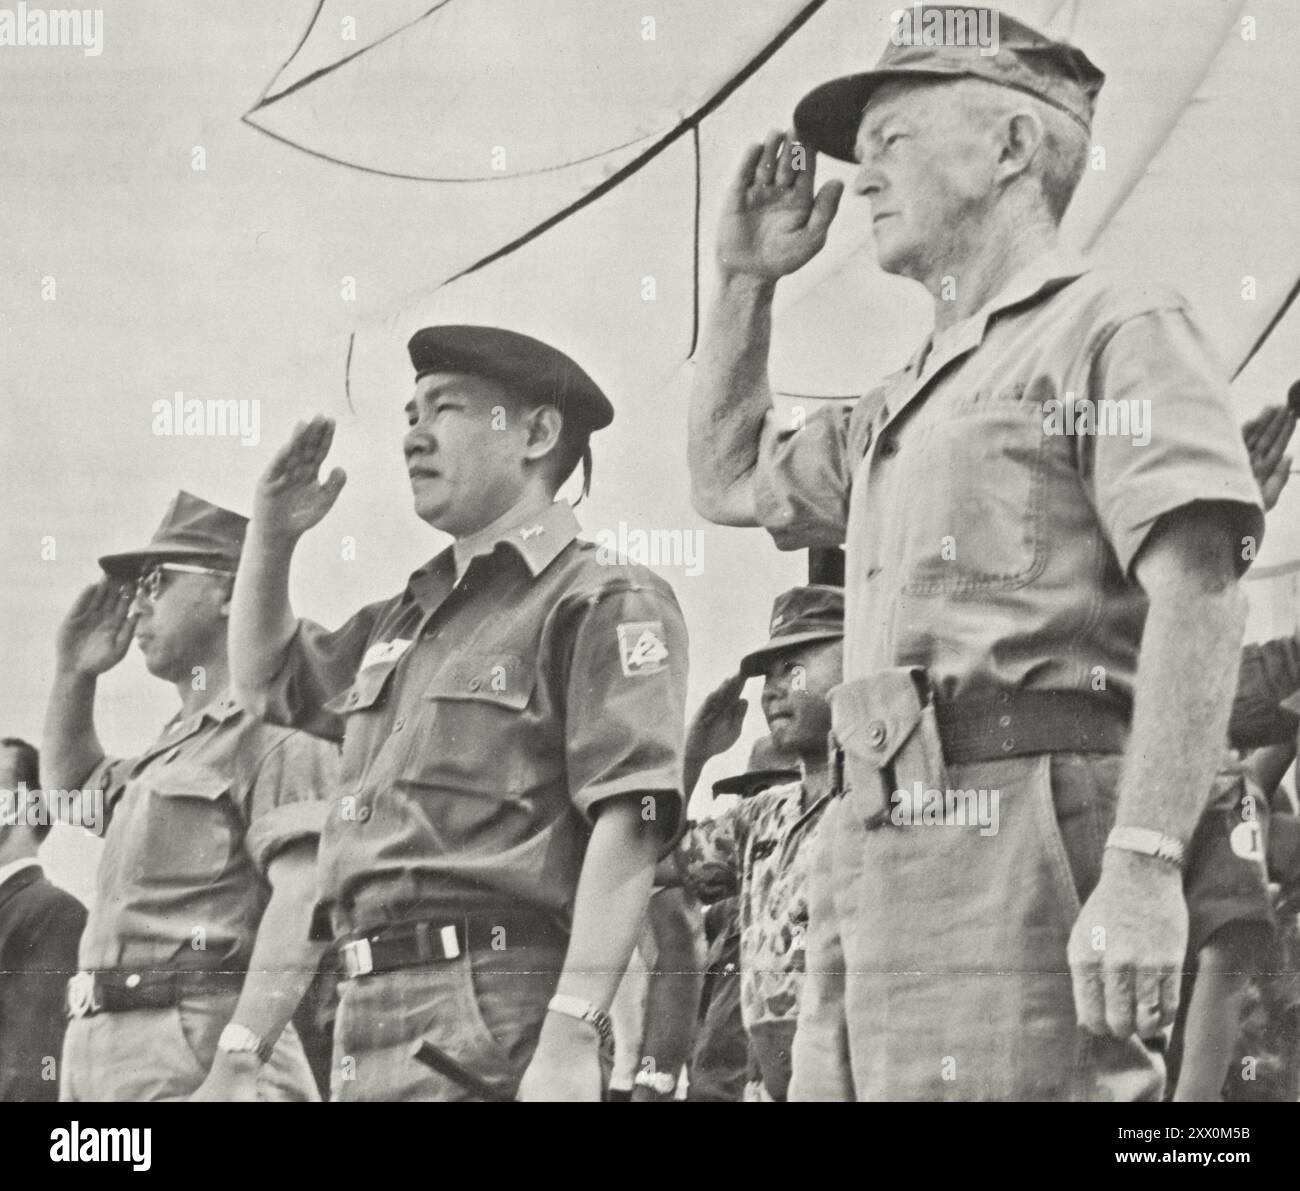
column 717, row 724
column 1267, row 437
column 771, row 222
column 290, row 499
column 97, row 631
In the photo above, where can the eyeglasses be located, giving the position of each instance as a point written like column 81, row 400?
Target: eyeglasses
column 148, row 586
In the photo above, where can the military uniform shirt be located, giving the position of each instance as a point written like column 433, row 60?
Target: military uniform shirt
column 192, row 826
column 760, row 850
column 984, row 547
column 483, row 719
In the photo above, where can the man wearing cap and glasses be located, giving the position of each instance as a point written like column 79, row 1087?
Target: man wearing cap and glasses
column 760, row 849
column 511, row 725
column 1018, row 598
column 196, row 952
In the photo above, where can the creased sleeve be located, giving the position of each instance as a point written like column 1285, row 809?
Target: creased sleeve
column 802, row 478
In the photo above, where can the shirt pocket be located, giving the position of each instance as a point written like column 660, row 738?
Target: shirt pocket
column 476, row 731
column 191, row 827
column 974, row 520
column 367, row 691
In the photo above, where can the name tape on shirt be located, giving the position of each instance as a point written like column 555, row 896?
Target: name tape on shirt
column 641, row 648
column 384, row 652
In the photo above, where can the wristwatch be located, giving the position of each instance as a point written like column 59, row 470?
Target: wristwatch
column 236, row 1039
column 660, row 1082
column 1147, row 842
column 595, row 1017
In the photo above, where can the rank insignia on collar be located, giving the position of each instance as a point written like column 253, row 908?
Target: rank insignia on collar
column 641, row 647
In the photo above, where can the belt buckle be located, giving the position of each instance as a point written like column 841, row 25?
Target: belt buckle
column 450, row 943
column 358, row 959
column 81, row 995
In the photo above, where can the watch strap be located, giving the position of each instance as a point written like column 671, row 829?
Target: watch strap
column 237, row 1039
column 594, row 1016
column 1147, row 842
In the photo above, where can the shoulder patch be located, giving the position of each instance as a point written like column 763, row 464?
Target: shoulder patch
column 641, row 648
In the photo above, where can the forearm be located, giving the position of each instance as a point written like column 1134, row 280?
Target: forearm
column 262, row 622
column 1185, row 681
column 283, row 963
column 692, row 766
column 675, row 985
column 610, row 904
column 70, row 747
column 730, row 397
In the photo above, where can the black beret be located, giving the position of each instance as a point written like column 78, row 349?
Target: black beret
column 523, row 364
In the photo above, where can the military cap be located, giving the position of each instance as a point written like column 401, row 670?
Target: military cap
column 520, row 362
column 767, row 767
column 943, row 42
column 800, row 615
column 193, row 530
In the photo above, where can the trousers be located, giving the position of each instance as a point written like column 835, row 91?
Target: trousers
column 166, row 1053
column 937, row 949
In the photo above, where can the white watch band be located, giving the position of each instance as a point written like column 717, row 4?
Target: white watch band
column 595, row 1017
column 236, row 1039
column 661, row 1082
column 1147, row 842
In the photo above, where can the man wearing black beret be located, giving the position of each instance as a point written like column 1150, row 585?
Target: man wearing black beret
column 512, row 726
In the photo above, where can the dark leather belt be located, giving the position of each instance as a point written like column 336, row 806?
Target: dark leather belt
column 417, row 944
column 122, row 991
column 1022, row 723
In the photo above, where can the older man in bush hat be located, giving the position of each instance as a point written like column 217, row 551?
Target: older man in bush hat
column 196, row 951
column 1042, row 595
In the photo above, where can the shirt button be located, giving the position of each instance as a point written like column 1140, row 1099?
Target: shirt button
column 1004, row 721
column 872, row 572
column 876, row 733
column 1008, row 745
column 474, row 684
column 399, row 723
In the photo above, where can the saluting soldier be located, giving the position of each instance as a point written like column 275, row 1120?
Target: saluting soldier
column 511, row 722
column 196, row 952
column 1041, row 608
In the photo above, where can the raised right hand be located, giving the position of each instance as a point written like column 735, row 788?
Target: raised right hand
column 96, row 633
column 771, row 222
column 289, row 499
column 716, row 726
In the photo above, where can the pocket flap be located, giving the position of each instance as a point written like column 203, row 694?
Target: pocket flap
column 874, row 717
column 184, row 781
column 366, row 690
column 487, row 676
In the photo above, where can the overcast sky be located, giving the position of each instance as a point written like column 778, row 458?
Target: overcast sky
column 129, row 276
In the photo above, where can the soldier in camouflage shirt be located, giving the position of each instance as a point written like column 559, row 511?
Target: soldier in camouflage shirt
column 761, row 846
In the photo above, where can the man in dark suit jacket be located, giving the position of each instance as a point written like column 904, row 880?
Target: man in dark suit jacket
column 40, row 927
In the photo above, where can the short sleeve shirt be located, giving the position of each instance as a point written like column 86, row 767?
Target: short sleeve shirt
column 192, row 826
column 994, row 495
column 760, row 848
column 484, row 718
